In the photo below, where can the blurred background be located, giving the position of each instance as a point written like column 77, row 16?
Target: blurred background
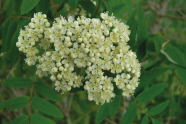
column 165, row 18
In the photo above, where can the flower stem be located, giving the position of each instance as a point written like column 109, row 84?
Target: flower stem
column 31, row 100
column 54, row 8
column 98, row 8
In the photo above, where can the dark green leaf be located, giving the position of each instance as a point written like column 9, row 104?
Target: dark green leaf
column 147, row 77
column 154, row 121
column 159, row 108
column 73, row 3
column 145, row 120
column 59, row 1
column 158, row 44
column 181, row 73
column 46, row 107
column 38, row 119
column 18, row 82
column 114, row 105
column 6, row 24
column 150, row 45
column 18, row 71
column 46, row 91
column 14, row 52
column 14, row 103
column 10, row 32
column 28, row 5
column 20, row 120
column 130, row 114
column 13, row 8
column 142, row 27
column 132, row 23
column 43, row 6
column 91, row 8
column 141, row 51
column 103, row 113
column 151, row 92
column 174, row 55
column 108, row 5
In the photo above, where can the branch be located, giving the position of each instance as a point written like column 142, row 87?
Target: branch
column 54, row 8
column 174, row 17
column 31, row 100
column 98, row 8
column 110, row 121
column 23, row 17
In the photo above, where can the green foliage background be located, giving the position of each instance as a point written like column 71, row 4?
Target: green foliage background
column 157, row 36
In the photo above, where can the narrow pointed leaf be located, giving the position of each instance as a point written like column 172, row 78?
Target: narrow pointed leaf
column 181, row 74
column 154, row 121
column 114, row 105
column 38, row 119
column 151, row 92
column 145, row 120
column 46, row 91
column 103, row 113
column 130, row 114
column 142, row 27
column 18, row 82
column 46, row 107
column 20, row 120
column 174, row 55
column 43, row 6
column 73, row 3
column 14, row 103
column 158, row 44
column 132, row 23
column 147, row 77
column 159, row 108
column 108, row 5
column 10, row 32
column 91, row 8
column 28, row 5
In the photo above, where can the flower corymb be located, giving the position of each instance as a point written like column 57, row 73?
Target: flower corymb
column 96, row 47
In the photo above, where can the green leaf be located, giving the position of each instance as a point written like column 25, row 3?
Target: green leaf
column 46, row 91
column 158, row 44
column 132, row 23
column 20, row 120
column 18, row 82
column 159, row 108
column 130, row 114
column 10, row 32
column 28, row 5
column 145, row 120
column 181, row 74
column 14, row 103
column 174, row 55
column 5, row 26
column 59, row 1
column 103, row 113
column 142, row 27
column 114, row 105
column 108, row 5
column 13, row 7
column 91, row 8
column 151, row 92
column 154, row 121
column 18, row 71
column 43, row 6
column 147, row 77
column 38, row 119
column 14, row 52
column 46, row 107
column 150, row 47
column 73, row 3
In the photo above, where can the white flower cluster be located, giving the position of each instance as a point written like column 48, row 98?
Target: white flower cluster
column 98, row 46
